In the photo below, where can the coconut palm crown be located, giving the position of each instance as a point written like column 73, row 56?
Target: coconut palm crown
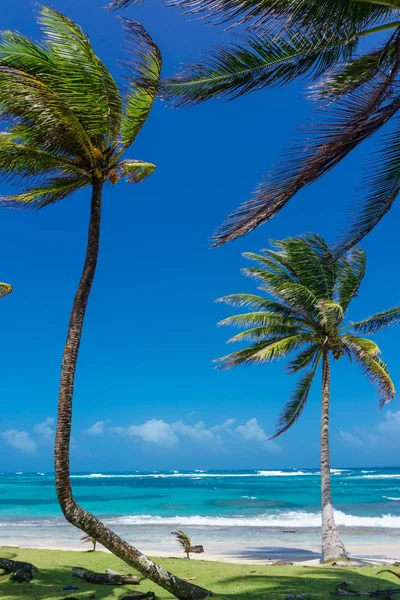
column 65, row 122
column 310, row 294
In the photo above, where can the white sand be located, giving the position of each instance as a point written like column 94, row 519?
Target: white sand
column 307, row 555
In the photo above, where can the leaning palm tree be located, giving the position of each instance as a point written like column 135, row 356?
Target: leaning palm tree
column 355, row 84
column 68, row 128
column 310, row 294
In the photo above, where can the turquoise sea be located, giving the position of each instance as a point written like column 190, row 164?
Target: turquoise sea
column 218, row 508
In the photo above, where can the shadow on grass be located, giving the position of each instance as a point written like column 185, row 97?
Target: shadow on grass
column 49, row 583
column 314, row 583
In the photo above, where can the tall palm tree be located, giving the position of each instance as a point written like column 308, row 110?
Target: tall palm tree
column 310, row 294
column 69, row 126
column 354, row 82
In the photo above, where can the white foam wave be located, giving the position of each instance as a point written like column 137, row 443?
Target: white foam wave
column 391, row 498
column 283, row 473
column 195, row 475
column 298, row 519
column 386, row 476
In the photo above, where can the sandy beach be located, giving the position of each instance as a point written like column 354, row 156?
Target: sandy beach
column 241, row 553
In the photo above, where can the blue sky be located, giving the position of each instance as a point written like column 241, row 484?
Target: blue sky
column 147, row 395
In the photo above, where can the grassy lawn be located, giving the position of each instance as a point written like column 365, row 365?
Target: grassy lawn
column 231, row 581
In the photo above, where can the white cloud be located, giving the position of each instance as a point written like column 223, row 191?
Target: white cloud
column 349, row 439
column 391, row 424
column 156, row 431
column 224, row 427
column 252, row 432
column 96, row 429
column 195, row 432
column 44, row 430
column 19, row 440
column 168, row 435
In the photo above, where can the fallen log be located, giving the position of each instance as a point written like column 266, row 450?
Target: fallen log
column 343, row 590
column 196, row 549
column 138, row 596
column 11, row 566
column 105, row 578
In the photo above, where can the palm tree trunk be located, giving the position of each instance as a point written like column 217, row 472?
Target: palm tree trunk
column 332, row 546
column 74, row 513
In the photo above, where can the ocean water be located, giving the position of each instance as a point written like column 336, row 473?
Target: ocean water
column 221, row 508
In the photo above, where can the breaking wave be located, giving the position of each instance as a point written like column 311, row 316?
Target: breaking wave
column 298, row 519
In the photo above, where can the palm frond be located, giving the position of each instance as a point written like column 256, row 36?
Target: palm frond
column 298, row 297
column 362, row 346
column 345, row 124
column 380, row 189
column 307, row 265
column 378, row 321
column 331, row 313
column 351, row 272
column 270, row 266
column 263, row 352
column 258, row 302
column 5, row 289
column 21, row 160
column 260, row 319
column 335, row 15
column 27, row 99
column 267, row 332
column 294, row 408
column 255, row 63
column 117, row 4
column 82, row 80
column 377, row 372
column 143, row 67
column 55, row 190
column 353, row 74
column 134, row 170
column 303, row 359
column 183, row 539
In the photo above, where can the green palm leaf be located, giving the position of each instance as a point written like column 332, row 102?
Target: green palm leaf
column 345, row 124
column 5, row 289
column 336, row 15
column 380, row 189
column 82, row 80
column 377, row 372
column 55, row 190
column 134, row 170
column 27, row 98
column 21, row 160
column 350, row 276
column 362, row 346
column 378, row 321
column 294, row 408
column 303, row 359
column 143, row 68
column 255, row 63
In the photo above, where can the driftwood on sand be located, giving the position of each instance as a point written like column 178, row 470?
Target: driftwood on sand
column 105, row 578
column 21, row 571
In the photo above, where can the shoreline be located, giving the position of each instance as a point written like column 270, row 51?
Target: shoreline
column 359, row 555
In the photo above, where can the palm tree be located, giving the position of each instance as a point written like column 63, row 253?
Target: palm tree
column 69, row 126
column 354, row 83
column 310, row 294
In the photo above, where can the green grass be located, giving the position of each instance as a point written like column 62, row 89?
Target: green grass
column 230, row 581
